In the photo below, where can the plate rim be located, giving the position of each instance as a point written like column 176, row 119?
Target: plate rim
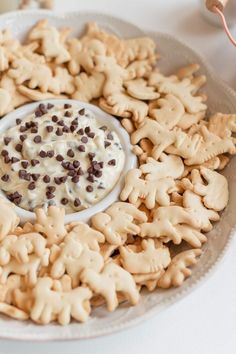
column 221, row 255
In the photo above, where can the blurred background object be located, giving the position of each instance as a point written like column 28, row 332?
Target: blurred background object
column 229, row 12
column 12, row 5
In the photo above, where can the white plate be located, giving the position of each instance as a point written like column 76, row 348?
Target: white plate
column 221, row 98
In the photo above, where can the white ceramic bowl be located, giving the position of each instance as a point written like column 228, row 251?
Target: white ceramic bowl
column 220, row 98
column 104, row 119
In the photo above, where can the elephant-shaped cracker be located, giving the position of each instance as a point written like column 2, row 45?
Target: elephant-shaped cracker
column 149, row 191
column 113, row 278
column 49, row 304
column 9, row 222
column 118, row 221
column 51, row 224
column 178, row 269
column 20, row 247
column 149, row 260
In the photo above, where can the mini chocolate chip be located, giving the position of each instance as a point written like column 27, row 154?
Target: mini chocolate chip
column 49, row 128
column 68, row 114
column 35, row 176
column 57, row 180
column 27, row 176
column 91, row 135
column 22, row 129
column 89, row 189
column 96, row 167
column 76, row 164
column 70, row 166
column 18, row 147
column 75, row 121
column 22, row 173
column 80, row 172
column 90, row 169
column 50, row 106
column 7, row 140
column 41, row 106
column 65, row 164
column 82, row 111
column 84, row 139
column 72, row 128
column 71, row 173
column 59, row 132
column 63, row 179
column 34, row 124
column 31, row 186
column 37, row 139
column 80, row 131
column 17, row 200
column 34, row 130
column 65, row 129
column 87, row 130
column 61, row 123
column 64, row 201
column 4, row 153
column 81, row 148
column 49, row 195
column 18, row 121
column 104, row 127
column 112, row 162
column 7, row 159
column 91, row 155
column 5, row 178
column 67, row 105
column 109, row 136
column 51, row 189
column 101, row 164
column 70, row 153
column 106, row 144
column 59, row 157
column 46, row 179
column 28, row 125
column 75, row 179
column 42, row 154
column 54, row 118
column 77, row 202
column 50, row 153
column 23, row 137
column 14, row 159
column 38, row 113
column 34, row 162
column 24, row 164
column 98, row 174
column 90, row 178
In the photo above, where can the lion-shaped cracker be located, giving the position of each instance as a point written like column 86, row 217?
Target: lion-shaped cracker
column 118, row 221
column 51, row 224
column 165, row 220
column 167, row 111
column 73, row 258
column 20, row 247
column 113, row 278
column 61, row 82
column 51, row 41
column 82, row 54
column 199, row 212
column 36, row 75
column 88, row 87
column 49, row 304
column 223, row 125
column 10, row 220
column 185, row 146
column 149, row 260
column 189, row 119
column 149, row 192
column 211, row 146
column 178, row 269
column 141, row 68
column 85, row 235
column 167, row 166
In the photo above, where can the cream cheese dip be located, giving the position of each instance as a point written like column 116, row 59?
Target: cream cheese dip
column 59, row 155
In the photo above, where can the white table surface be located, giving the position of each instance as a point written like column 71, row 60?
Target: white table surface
column 205, row 321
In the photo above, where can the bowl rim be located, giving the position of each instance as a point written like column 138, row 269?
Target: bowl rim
column 113, row 123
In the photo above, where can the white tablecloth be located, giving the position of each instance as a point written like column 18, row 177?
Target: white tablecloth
column 205, row 321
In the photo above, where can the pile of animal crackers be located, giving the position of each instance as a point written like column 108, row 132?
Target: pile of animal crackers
column 50, row 271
